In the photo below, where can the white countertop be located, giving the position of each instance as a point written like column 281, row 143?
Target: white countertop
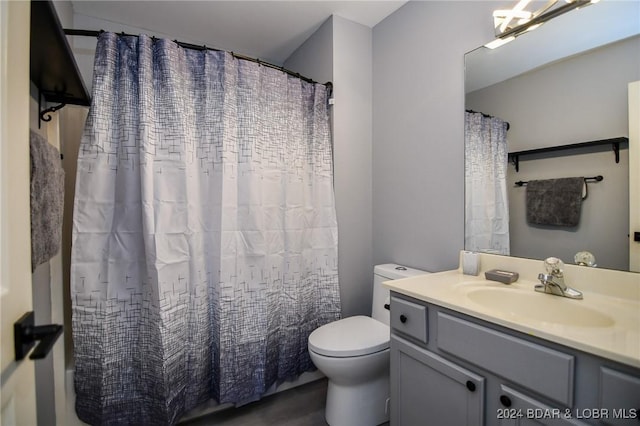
column 617, row 339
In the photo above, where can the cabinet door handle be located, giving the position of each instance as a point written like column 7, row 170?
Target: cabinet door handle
column 505, row 400
column 403, row 318
column 471, row 386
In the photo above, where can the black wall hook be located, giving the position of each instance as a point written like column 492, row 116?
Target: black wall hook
column 26, row 334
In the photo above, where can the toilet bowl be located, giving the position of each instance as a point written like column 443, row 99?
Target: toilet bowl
column 354, row 355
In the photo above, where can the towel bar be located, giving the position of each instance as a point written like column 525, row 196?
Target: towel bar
column 592, row 178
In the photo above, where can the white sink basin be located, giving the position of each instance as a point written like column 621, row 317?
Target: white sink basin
column 541, row 307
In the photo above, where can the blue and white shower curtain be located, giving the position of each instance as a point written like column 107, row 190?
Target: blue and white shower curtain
column 204, row 234
column 486, row 204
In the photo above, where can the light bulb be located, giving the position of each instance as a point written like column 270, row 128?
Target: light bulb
column 499, row 42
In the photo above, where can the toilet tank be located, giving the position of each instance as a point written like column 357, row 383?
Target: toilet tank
column 386, row 272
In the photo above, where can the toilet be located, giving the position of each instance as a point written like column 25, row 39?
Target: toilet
column 354, row 355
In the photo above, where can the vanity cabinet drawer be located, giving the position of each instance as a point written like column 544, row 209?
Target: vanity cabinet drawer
column 409, row 318
column 535, row 367
column 518, row 409
column 620, row 396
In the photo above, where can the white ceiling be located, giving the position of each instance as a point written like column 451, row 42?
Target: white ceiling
column 267, row 30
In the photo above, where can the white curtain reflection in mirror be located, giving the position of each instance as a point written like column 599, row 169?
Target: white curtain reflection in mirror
column 486, row 204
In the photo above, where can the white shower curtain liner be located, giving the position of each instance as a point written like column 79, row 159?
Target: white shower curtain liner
column 486, row 204
column 204, row 235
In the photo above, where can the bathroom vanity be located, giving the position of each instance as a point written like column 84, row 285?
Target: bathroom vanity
column 467, row 351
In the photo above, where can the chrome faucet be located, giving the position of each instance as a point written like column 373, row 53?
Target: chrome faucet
column 553, row 280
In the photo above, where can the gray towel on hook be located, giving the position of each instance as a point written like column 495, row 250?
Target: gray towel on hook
column 554, row 201
column 47, row 200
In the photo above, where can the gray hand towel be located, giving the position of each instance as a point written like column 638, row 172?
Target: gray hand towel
column 554, row 201
column 47, row 200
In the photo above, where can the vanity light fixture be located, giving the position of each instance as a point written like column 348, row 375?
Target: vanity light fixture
column 499, row 42
column 511, row 23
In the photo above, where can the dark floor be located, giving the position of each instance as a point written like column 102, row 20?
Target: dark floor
column 300, row 406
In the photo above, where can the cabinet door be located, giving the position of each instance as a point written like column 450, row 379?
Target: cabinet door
column 619, row 397
column 517, row 409
column 426, row 389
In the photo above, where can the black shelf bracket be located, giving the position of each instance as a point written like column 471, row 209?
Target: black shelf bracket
column 616, row 150
column 26, row 334
column 45, row 114
column 515, row 160
column 52, row 68
column 514, row 157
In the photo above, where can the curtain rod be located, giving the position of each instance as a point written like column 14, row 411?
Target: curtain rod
column 93, row 33
column 486, row 116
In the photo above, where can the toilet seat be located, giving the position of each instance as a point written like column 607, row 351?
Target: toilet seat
column 349, row 337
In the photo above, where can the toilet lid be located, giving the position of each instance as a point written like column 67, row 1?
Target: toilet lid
column 353, row 336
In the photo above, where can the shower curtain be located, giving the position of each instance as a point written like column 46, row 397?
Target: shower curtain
column 204, row 235
column 486, row 204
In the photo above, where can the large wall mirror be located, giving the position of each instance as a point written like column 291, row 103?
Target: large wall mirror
column 565, row 83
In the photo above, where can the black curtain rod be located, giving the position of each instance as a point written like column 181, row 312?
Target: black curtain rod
column 593, row 178
column 486, row 116
column 93, row 33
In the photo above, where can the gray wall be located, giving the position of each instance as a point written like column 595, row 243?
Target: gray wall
column 352, row 129
column 347, row 47
column 418, row 131
column 576, row 100
column 314, row 58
